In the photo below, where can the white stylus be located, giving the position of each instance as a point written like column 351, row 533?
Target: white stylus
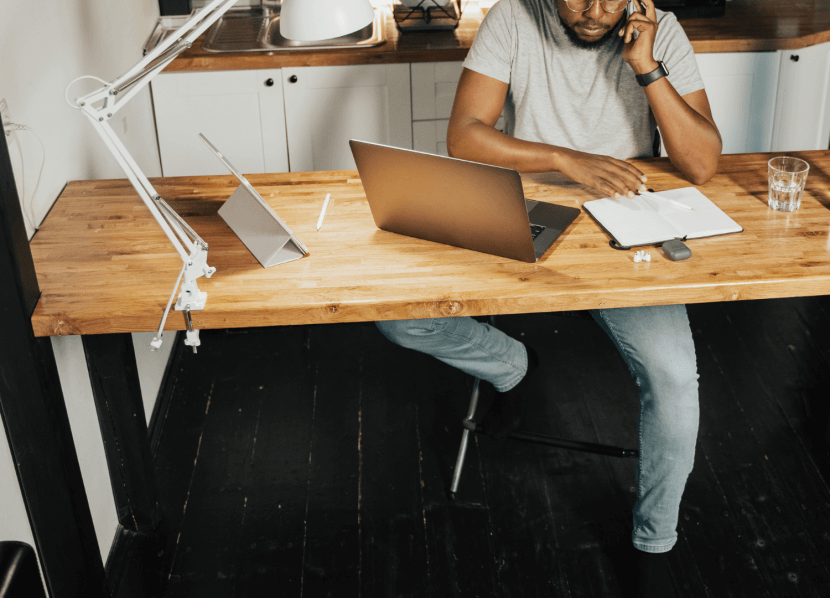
column 323, row 211
column 667, row 200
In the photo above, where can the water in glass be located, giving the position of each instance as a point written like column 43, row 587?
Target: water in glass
column 787, row 177
column 785, row 194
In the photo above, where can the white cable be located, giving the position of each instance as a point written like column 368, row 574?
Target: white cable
column 157, row 340
column 22, row 182
column 39, row 174
column 31, row 218
column 66, row 91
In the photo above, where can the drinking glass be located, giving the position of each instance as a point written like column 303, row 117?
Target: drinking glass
column 787, row 177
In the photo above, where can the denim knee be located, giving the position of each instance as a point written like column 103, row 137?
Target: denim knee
column 404, row 332
column 670, row 381
column 670, row 410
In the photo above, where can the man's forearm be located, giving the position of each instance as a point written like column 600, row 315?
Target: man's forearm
column 692, row 142
column 475, row 140
column 478, row 142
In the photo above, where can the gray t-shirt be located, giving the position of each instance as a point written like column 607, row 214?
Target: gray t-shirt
column 587, row 100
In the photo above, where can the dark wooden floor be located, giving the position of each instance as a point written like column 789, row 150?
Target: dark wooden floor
column 314, row 461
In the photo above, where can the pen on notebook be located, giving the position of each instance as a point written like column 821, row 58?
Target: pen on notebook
column 323, row 211
column 676, row 204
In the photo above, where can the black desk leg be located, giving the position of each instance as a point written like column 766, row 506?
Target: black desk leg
column 34, row 416
column 113, row 373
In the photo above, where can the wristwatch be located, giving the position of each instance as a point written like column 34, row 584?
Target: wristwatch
column 649, row 78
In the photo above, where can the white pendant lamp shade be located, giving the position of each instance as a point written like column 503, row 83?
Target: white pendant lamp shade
column 312, row 20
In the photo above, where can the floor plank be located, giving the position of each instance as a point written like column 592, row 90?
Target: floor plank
column 393, row 534
column 271, row 543
column 458, row 534
column 221, row 473
column 332, row 556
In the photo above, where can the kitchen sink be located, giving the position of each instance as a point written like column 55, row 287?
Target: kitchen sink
column 258, row 30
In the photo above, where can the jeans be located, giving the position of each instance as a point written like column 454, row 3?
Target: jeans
column 656, row 344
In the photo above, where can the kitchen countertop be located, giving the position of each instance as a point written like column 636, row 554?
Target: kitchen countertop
column 747, row 26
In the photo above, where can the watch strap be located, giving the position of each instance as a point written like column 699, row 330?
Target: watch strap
column 649, row 78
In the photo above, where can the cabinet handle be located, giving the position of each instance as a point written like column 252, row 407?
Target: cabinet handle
column 269, row 82
column 292, row 79
column 794, row 57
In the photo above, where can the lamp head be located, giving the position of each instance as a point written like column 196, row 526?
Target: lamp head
column 313, row 20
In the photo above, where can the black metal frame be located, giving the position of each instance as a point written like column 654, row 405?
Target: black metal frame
column 35, row 419
column 115, row 387
column 134, row 566
column 40, row 438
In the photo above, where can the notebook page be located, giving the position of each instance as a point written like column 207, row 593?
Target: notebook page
column 704, row 220
column 633, row 221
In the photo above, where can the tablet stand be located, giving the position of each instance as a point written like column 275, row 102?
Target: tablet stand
column 259, row 229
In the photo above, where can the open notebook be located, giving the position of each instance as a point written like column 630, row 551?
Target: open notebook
column 646, row 221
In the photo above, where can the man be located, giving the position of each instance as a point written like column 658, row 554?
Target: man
column 565, row 73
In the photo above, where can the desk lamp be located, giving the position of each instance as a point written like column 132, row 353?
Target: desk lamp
column 101, row 105
column 313, row 20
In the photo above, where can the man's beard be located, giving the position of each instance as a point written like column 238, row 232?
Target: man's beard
column 581, row 43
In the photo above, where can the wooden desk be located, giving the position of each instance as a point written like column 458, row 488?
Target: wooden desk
column 104, row 265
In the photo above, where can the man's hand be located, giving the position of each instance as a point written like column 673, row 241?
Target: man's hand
column 639, row 53
column 607, row 175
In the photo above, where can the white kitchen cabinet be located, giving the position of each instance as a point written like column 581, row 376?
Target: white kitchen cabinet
column 433, row 92
column 433, row 89
column 770, row 101
column 802, row 113
column 240, row 112
column 430, row 136
column 325, row 106
column 741, row 87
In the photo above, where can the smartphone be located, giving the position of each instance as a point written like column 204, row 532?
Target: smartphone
column 634, row 6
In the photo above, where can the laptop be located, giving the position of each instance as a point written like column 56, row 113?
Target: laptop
column 456, row 202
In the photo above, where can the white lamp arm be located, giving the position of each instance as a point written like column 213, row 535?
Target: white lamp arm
column 139, row 76
column 101, row 105
column 145, row 189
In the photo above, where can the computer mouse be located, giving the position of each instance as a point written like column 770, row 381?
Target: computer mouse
column 676, row 250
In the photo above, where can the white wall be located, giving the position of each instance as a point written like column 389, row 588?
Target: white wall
column 44, row 44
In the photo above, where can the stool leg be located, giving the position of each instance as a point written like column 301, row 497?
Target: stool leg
column 469, row 425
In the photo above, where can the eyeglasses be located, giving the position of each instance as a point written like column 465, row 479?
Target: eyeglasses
column 609, row 6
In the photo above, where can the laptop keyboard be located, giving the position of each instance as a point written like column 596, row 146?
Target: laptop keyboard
column 536, row 230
